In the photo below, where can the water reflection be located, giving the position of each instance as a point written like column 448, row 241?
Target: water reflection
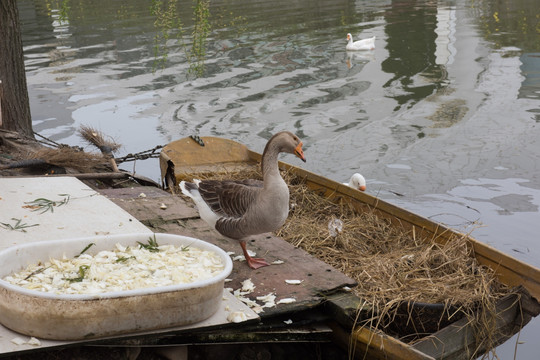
column 269, row 66
column 530, row 68
column 514, row 28
column 411, row 43
column 509, row 23
column 445, row 49
column 359, row 58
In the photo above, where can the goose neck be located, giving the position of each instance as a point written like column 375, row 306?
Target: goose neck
column 269, row 163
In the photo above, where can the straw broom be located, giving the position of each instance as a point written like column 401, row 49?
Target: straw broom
column 96, row 138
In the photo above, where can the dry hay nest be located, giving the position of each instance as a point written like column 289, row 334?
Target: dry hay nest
column 412, row 285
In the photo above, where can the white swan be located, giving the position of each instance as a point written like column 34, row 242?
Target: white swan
column 360, row 45
column 357, row 181
column 239, row 209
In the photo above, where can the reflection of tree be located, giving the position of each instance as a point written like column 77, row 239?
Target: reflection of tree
column 515, row 25
column 510, row 23
column 201, row 30
column 411, row 50
column 167, row 21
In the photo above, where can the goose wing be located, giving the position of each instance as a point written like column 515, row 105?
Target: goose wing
column 230, row 198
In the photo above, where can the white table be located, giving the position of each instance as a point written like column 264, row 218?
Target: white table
column 86, row 213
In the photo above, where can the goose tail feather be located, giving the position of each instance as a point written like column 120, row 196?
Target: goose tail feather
column 188, row 188
column 191, row 189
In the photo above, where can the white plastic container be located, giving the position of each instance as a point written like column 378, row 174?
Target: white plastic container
column 77, row 317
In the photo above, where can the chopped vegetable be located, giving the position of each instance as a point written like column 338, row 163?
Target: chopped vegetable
column 123, row 268
column 293, row 282
column 286, row 301
column 236, row 317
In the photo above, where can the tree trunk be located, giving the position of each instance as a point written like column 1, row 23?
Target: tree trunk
column 14, row 102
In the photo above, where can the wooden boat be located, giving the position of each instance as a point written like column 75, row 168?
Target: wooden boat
column 184, row 158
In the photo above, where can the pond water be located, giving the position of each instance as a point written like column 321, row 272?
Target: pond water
column 442, row 117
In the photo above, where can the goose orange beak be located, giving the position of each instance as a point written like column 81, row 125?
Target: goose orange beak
column 299, row 152
column 362, row 188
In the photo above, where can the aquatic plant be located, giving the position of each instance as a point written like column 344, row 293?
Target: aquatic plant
column 64, row 9
column 167, row 20
column 201, row 30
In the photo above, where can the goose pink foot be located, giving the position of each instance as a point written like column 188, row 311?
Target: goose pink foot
column 252, row 262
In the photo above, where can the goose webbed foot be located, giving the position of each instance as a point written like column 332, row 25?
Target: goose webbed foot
column 252, row 262
column 256, row 263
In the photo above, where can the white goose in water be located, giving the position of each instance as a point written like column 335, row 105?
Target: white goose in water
column 357, row 181
column 238, row 209
column 360, row 45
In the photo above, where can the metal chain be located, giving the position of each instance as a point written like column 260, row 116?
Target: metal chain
column 143, row 155
column 52, row 143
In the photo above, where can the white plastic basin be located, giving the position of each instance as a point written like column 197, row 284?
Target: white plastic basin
column 82, row 316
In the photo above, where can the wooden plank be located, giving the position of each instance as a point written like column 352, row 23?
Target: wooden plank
column 344, row 307
column 249, row 333
column 190, row 157
column 147, row 203
column 509, row 270
column 364, row 343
